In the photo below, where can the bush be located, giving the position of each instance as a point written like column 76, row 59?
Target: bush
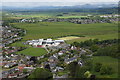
column 87, row 74
column 41, row 73
column 25, row 71
column 105, row 70
column 94, row 48
column 98, row 67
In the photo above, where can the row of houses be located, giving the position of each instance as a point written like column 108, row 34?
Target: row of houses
column 10, row 35
column 107, row 16
column 84, row 20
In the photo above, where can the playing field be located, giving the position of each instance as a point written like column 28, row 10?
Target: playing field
column 58, row 29
column 109, row 61
column 33, row 51
column 68, row 38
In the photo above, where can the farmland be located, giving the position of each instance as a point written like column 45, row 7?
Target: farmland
column 108, row 61
column 69, row 38
column 72, row 16
column 57, row 29
column 33, row 51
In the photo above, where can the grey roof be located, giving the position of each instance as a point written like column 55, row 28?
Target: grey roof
column 71, row 59
column 52, row 57
column 52, row 64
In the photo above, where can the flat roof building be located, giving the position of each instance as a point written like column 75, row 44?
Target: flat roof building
column 43, row 42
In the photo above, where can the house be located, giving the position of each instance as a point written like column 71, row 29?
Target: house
column 52, row 65
column 44, row 64
column 57, row 69
column 55, row 55
column 23, row 20
column 60, row 53
column 68, row 61
column 23, row 60
column 29, row 68
column 9, row 65
column 53, row 59
column 28, row 57
column 82, row 51
column 80, row 62
column 5, row 74
column 73, row 48
column 29, row 63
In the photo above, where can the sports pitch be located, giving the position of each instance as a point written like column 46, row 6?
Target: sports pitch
column 68, row 38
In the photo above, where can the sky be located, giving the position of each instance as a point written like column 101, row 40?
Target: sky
column 59, row 0
column 31, row 3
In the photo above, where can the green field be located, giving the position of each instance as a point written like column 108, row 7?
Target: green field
column 33, row 51
column 51, row 15
column 57, row 29
column 109, row 61
column 72, row 16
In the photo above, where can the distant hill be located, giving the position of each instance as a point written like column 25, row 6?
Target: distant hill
column 90, row 8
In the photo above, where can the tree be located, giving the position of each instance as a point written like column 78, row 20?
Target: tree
column 105, row 70
column 94, row 48
column 41, row 73
column 24, row 71
column 75, row 44
column 83, row 56
column 47, row 66
column 89, row 64
column 72, row 68
column 33, row 59
column 59, row 15
column 97, row 67
column 80, row 71
column 87, row 74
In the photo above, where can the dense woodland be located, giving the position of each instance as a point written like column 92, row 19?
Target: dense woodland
column 101, row 48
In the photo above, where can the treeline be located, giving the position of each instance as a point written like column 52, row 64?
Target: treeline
column 101, row 48
column 69, row 35
column 6, row 21
column 91, row 42
column 112, row 51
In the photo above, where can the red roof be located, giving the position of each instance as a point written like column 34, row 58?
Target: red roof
column 39, row 46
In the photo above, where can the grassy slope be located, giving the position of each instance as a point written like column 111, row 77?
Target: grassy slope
column 106, row 60
column 33, row 51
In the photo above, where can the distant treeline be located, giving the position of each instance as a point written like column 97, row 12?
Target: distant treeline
column 69, row 35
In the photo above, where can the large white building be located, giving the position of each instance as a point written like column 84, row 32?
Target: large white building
column 44, row 43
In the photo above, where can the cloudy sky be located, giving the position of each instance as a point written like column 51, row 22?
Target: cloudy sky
column 60, row 0
column 18, row 3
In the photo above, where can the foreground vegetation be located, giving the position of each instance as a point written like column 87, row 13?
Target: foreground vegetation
column 106, row 61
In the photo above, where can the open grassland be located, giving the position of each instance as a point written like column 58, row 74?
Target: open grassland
column 68, row 38
column 72, row 16
column 41, row 15
column 58, row 29
column 20, row 44
column 33, row 51
column 108, row 61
